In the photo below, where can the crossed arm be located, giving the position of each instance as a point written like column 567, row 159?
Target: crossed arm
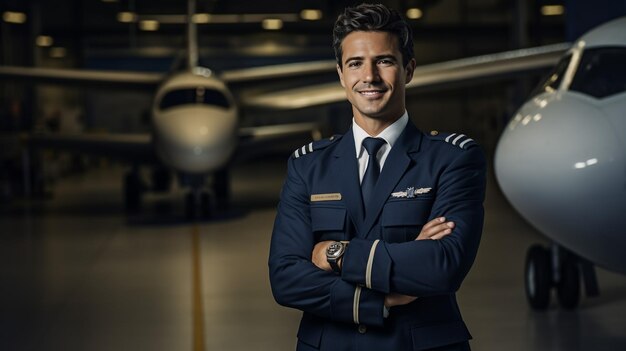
column 388, row 273
column 433, row 230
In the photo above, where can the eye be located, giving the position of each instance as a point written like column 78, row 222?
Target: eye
column 385, row 62
column 354, row 64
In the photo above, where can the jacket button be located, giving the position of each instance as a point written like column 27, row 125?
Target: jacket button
column 362, row 329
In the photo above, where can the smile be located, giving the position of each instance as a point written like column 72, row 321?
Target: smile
column 372, row 93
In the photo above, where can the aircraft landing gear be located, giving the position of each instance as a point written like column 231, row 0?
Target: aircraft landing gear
column 538, row 276
column 221, row 189
column 197, row 204
column 133, row 190
column 558, row 268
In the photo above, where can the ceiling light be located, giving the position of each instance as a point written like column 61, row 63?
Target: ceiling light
column 14, row 17
column 58, row 52
column 552, row 10
column 201, row 18
column 44, row 41
column 311, row 14
column 149, row 25
column 272, row 24
column 414, row 13
column 127, row 17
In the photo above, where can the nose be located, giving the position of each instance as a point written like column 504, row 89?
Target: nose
column 370, row 73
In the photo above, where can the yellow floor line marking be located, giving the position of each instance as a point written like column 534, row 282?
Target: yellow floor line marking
column 198, row 310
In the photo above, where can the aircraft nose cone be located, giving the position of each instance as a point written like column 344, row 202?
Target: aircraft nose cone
column 561, row 165
column 195, row 139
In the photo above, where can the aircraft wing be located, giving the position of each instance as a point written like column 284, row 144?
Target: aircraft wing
column 438, row 75
column 149, row 80
column 136, row 148
column 255, row 141
column 289, row 70
column 80, row 77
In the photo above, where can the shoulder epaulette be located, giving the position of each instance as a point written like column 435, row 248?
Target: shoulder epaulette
column 315, row 145
column 456, row 139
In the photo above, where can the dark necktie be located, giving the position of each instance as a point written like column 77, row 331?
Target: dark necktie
column 372, row 145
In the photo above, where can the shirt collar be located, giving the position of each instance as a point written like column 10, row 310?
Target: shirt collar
column 389, row 134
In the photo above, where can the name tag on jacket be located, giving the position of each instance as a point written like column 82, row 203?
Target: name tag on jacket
column 326, row 197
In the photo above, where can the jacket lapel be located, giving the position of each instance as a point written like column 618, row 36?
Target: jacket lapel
column 346, row 166
column 398, row 161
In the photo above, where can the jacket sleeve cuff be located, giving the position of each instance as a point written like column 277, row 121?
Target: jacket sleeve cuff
column 354, row 304
column 367, row 263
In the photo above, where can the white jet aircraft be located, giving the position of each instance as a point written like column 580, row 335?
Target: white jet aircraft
column 195, row 123
column 561, row 162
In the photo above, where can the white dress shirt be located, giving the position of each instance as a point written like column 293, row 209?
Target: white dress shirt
column 389, row 134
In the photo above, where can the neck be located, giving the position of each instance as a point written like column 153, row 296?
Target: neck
column 374, row 126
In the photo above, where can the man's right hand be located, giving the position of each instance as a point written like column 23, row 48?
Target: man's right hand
column 433, row 230
column 436, row 229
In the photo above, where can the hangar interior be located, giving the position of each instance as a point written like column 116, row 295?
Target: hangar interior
column 80, row 272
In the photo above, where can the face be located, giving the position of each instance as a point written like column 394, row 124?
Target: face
column 373, row 75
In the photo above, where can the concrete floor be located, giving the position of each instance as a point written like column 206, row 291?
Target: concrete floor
column 78, row 274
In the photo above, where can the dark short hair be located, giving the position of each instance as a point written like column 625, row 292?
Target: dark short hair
column 373, row 18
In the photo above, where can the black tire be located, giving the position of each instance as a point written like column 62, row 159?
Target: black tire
column 161, row 179
column 190, row 206
column 205, row 204
column 568, row 288
column 221, row 189
column 133, row 189
column 538, row 277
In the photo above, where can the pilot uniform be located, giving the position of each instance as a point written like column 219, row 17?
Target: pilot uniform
column 424, row 176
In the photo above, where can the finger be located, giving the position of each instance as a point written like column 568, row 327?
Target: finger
column 434, row 222
column 439, row 228
column 441, row 234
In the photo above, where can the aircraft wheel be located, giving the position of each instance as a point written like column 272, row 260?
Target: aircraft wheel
column 205, row 204
column 538, row 277
column 568, row 288
column 221, row 189
column 190, row 205
column 161, row 179
column 133, row 189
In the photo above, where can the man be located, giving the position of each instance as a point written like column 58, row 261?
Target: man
column 376, row 229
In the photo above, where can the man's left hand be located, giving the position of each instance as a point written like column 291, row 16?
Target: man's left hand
column 319, row 256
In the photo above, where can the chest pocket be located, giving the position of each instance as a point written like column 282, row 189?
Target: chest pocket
column 402, row 220
column 328, row 223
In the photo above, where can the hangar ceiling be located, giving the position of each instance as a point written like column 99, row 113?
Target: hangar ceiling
column 79, row 30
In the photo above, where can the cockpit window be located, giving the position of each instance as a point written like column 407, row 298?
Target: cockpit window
column 553, row 80
column 601, row 72
column 199, row 95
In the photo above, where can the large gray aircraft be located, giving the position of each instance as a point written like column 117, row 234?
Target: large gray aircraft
column 561, row 162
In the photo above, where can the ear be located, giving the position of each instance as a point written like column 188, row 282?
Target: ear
column 340, row 73
column 409, row 69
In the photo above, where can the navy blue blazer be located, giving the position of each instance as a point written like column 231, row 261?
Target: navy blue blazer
column 424, row 177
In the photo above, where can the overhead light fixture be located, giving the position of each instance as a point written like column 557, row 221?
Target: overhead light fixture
column 201, row 18
column 14, row 17
column 149, row 25
column 311, row 14
column 58, row 52
column 552, row 10
column 414, row 13
column 272, row 24
column 127, row 17
column 44, row 41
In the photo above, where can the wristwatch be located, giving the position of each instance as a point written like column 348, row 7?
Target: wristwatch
column 334, row 252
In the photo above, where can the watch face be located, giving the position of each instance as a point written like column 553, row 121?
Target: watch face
column 335, row 249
